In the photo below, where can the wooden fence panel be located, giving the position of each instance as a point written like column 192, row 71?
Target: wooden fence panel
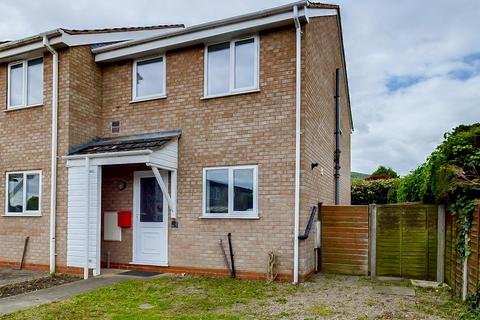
column 344, row 241
column 453, row 262
column 406, row 242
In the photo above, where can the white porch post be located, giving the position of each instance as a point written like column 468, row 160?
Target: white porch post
column 87, row 216
column 174, row 194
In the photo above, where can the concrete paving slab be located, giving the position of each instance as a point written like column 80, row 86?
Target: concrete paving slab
column 58, row 293
column 425, row 284
column 393, row 290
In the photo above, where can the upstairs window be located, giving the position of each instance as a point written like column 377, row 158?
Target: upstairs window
column 25, row 83
column 23, row 193
column 149, row 78
column 231, row 67
column 230, row 192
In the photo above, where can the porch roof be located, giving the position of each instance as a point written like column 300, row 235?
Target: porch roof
column 149, row 141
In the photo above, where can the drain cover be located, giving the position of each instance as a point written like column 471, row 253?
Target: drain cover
column 137, row 273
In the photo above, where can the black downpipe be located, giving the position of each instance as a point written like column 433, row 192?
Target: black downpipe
column 338, row 132
column 231, row 255
column 309, row 225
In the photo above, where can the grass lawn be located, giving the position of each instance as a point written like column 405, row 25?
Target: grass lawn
column 325, row 297
column 164, row 298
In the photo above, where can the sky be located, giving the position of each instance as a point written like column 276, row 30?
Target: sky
column 413, row 65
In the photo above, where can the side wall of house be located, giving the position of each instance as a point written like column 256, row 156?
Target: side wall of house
column 322, row 54
column 256, row 128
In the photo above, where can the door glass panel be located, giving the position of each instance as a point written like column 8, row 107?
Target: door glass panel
column 217, row 191
column 243, row 190
column 15, row 192
column 151, row 200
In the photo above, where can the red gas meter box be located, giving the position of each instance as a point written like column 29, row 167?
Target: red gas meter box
column 125, row 219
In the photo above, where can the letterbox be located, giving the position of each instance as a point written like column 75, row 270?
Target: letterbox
column 125, row 219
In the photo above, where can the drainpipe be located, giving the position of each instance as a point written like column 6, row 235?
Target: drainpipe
column 298, row 56
column 87, row 215
column 338, row 132
column 53, row 169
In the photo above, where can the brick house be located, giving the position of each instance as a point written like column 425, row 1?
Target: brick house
column 191, row 133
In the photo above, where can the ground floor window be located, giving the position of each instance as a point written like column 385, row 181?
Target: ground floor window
column 23, row 193
column 230, row 192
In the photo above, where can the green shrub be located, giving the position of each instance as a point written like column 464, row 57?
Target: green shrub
column 374, row 191
column 450, row 176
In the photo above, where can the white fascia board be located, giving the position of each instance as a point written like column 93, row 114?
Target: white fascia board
column 317, row 12
column 182, row 39
column 110, row 158
column 27, row 50
column 92, row 38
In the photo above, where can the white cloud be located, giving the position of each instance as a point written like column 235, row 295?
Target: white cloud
column 410, row 39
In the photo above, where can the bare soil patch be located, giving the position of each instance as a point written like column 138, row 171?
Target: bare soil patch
column 36, row 284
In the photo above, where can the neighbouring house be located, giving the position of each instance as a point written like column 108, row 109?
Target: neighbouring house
column 141, row 148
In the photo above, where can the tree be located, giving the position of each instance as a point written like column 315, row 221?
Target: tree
column 383, row 173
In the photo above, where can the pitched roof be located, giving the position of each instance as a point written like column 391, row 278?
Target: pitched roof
column 148, row 141
column 123, row 29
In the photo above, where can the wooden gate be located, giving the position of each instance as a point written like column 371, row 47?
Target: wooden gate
column 405, row 239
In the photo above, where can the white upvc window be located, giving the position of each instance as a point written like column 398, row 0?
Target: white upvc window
column 232, row 67
column 230, row 192
column 25, row 83
column 23, row 193
column 149, row 78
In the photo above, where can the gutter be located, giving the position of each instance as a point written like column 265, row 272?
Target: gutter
column 298, row 114
column 53, row 169
column 204, row 26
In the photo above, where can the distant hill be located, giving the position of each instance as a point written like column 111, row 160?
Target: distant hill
column 359, row 175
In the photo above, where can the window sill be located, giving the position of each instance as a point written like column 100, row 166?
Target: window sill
column 149, row 98
column 9, row 109
column 229, row 94
column 226, row 216
column 21, row 215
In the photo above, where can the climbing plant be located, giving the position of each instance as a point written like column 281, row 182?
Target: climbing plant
column 450, row 176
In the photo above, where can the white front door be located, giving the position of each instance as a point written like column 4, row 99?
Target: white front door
column 150, row 227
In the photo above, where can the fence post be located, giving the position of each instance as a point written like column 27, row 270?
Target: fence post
column 373, row 240
column 441, row 244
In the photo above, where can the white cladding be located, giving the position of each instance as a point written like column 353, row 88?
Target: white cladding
column 77, row 216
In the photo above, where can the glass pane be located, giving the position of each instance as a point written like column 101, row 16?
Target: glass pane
column 217, row 191
column 150, row 77
column 16, row 85
column 218, row 68
column 33, row 192
column 243, row 190
column 151, row 200
column 15, row 192
column 244, row 63
column 35, row 81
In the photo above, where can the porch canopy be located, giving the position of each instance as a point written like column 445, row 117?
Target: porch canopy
column 158, row 150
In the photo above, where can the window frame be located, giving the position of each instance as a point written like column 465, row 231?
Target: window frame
column 24, row 64
column 231, row 214
column 25, row 212
column 163, row 94
column 232, row 90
